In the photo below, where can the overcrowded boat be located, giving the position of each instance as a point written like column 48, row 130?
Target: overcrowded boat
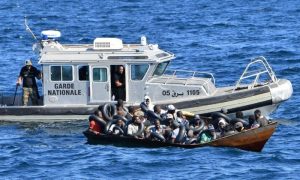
column 77, row 78
column 156, row 129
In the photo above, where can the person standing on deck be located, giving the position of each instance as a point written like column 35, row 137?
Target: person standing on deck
column 119, row 84
column 27, row 77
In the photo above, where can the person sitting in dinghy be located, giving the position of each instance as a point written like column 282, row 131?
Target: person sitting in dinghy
column 182, row 119
column 224, row 127
column 131, row 111
column 147, row 105
column 178, row 134
column 120, row 106
column 252, row 122
column 172, row 110
column 260, row 119
column 239, row 114
column 157, row 132
column 238, row 127
column 133, row 128
column 158, row 113
column 207, row 135
column 196, row 127
column 118, row 128
column 96, row 122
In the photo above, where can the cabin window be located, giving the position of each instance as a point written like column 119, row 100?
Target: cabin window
column 138, row 71
column 160, row 69
column 160, row 55
column 61, row 73
column 83, row 73
column 100, row 74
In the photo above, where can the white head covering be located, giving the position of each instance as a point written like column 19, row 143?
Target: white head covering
column 150, row 105
column 222, row 121
column 147, row 97
column 171, row 107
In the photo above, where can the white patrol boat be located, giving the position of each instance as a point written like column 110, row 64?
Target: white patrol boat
column 78, row 78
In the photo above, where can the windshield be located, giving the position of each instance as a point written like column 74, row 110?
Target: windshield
column 160, row 69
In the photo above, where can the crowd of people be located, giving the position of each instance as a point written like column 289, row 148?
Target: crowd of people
column 171, row 125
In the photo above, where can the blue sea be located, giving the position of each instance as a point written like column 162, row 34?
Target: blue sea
column 215, row 36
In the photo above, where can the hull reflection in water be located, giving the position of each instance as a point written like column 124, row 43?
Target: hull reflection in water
column 250, row 140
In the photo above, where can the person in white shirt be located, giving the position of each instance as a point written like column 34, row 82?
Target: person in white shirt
column 133, row 128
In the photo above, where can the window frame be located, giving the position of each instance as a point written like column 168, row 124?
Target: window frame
column 50, row 73
column 153, row 74
column 107, row 75
column 78, row 76
column 144, row 74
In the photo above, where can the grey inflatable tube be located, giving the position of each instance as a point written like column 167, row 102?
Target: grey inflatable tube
column 117, row 117
column 216, row 115
column 153, row 115
column 140, row 131
column 245, row 123
column 109, row 110
column 198, row 129
column 113, row 121
column 108, row 125
column 144, row 107
column 157, row 136
column 98, row 120
column 120, row 129
column 180, row 135
column 192, row 141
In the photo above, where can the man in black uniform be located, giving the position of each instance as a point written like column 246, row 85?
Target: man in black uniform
column 27, row 77
column 119, row 84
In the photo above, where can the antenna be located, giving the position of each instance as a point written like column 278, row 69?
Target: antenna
column 28, row 28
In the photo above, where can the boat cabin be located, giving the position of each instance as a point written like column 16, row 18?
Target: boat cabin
column 83, row 74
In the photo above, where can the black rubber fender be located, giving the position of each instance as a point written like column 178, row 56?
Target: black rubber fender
column 153, row 115
column 149, row 127
column 192, row 141
column 108, row 125
column 216, row 115
column 157, row 136
column 98, row 120
column 198, row 129
column 180, row 135
column 124, row 119
column 144, row 107
column 109, row 110
column 120, row 129
column 114, row 121
column 244, row 122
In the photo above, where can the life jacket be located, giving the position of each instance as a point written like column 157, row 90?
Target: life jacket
column 94, row 126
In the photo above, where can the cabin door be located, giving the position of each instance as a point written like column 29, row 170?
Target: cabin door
column 99, row 84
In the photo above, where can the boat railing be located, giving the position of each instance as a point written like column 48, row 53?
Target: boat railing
column 188, row 76
column 255, row 69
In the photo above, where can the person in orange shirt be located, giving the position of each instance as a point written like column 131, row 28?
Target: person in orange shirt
column 95, row 127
